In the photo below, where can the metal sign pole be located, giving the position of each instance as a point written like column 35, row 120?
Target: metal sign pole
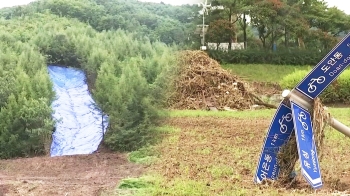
column 297, row 118
column 339, row 126
column 287, row 94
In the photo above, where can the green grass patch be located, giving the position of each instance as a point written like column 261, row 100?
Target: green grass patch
column 167, row 129
column 187, row 187
column 135, row 183
column 339, row 113
column 145, row 155
column 263, row 72
column 145, row 185
column 224, row 114
column 219, row 171
column 155, row 185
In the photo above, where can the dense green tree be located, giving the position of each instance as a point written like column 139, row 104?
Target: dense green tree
column 25, row 97
column 220, row 30
column 132, row 111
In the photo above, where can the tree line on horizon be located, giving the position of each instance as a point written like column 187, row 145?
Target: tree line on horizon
column 287, row 24
column 257, row 23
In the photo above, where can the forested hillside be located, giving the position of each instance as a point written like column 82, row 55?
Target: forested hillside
column 126, row 69
column 168, row 24
column 127, row 49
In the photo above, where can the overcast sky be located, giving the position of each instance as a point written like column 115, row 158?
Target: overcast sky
column 341, row 4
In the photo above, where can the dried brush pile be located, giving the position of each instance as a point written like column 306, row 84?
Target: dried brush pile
column 201, row 83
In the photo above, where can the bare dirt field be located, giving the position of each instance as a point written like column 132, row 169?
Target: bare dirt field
column 222, row 153
column 68, row 175
column 219, row 155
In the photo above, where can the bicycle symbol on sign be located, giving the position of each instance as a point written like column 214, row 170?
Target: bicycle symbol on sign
column 312, row 88
column 283, row 127
column 301, row 118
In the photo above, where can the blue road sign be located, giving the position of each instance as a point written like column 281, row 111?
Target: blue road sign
column 306, row 146
column 278, row 134
column 327, row 70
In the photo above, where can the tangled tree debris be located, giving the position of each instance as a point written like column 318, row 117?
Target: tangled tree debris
column 201, row 83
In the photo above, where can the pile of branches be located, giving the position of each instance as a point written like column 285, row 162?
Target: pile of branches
column 201, row 83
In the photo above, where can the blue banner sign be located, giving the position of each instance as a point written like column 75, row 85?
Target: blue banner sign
column 327, row 70
column 310, row 167
column 278, row 134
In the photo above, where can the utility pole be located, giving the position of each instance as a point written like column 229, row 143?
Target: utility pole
column 204, row 11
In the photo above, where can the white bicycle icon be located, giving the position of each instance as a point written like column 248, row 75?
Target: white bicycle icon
column 312, row 88
column 301, row 118
column 283, row 127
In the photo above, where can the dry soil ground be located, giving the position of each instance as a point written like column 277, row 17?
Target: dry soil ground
column 218, row 154
column 222, row 153
column 67, row 176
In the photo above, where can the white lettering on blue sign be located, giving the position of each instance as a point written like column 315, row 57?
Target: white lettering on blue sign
column 327, row 70
column 278, row 134
column 306, row 145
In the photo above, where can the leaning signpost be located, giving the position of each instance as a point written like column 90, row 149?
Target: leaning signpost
column 306, row 145
column 293, row 114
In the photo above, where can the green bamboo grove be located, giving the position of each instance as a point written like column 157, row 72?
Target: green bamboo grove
column 127, row 75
